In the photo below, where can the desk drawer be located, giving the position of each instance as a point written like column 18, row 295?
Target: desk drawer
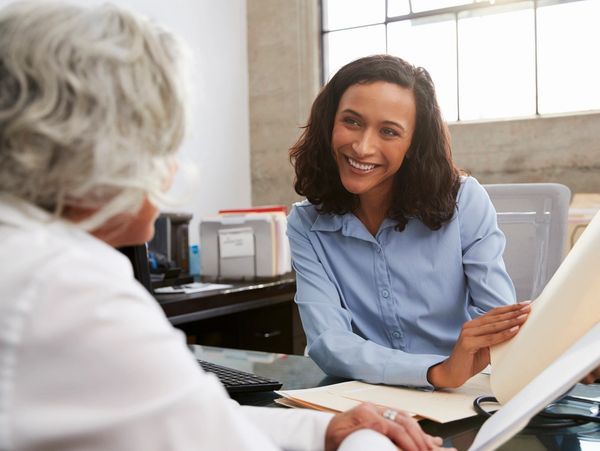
column 267, row 329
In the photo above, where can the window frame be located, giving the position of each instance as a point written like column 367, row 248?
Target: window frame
column 455, row 11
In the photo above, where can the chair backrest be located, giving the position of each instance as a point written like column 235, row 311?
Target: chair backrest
column 533, row 216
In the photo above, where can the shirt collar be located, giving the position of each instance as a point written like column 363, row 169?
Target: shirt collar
column 19, row 213
column 15, row 211
column 349, row 224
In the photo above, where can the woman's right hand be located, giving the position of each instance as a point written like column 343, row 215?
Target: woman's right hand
column 471, row 353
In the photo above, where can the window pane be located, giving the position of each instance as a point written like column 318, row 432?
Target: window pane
column 430, row 43
column 496, row 63
column 341, row 47
column 428, row 5
column 352, row 13
column 398, row 8
column 568, row 63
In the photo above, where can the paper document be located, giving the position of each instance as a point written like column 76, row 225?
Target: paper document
column 441, row 405
column 552, row 383
column 194, row 287
column 320, row 398
column 568, row 307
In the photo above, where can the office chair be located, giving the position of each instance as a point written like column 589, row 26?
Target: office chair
column 533, row 216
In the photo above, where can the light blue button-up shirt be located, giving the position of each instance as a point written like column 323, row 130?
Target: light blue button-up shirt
column 385, row 308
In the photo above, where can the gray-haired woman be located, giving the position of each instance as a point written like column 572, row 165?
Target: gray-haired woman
column 91, row 114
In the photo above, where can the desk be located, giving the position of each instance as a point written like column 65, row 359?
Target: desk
column 250, row 315
column 301, row 372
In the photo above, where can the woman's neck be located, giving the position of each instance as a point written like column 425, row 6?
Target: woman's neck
column 372, row 211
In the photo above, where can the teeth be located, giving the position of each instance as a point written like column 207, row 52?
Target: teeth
column 361, row 166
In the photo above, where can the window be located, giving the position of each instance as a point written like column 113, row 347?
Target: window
column 488, row 59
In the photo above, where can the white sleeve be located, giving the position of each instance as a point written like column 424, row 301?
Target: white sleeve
column 291, row 429
column 99, row 367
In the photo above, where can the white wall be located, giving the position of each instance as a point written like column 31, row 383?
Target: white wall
column 217, row 139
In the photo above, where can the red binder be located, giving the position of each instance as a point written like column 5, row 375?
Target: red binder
column 259, row 209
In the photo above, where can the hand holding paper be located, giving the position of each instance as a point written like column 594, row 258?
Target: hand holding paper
column 471, row 352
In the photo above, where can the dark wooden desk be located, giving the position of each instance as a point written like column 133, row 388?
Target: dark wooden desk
column 251, row 315
column 297, row 372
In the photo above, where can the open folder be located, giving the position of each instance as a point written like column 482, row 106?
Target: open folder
column 567, row 310
column 550, row 384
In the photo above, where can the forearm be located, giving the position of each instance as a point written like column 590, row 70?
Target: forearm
column 347, row 355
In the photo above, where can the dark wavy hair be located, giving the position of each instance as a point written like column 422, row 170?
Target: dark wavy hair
column 425, row 186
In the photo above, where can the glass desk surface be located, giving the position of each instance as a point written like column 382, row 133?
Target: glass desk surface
column 297, row 372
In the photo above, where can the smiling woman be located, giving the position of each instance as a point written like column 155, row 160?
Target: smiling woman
column 371, row 135
column 398, row 256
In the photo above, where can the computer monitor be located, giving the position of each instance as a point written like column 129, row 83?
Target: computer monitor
column 138, row 256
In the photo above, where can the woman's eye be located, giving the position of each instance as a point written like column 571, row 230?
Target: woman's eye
column 350, row 121
column 389, row 132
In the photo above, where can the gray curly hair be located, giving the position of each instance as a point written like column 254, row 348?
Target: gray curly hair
column 91, row 107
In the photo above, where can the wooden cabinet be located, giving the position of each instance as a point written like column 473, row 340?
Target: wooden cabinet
column 254, row 316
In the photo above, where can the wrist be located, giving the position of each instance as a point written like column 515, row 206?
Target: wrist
column 435, row 374
column 441, row 375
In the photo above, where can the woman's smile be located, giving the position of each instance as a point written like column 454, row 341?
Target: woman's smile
column 361, row 168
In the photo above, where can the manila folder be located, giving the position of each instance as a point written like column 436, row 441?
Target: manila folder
column 567, row 308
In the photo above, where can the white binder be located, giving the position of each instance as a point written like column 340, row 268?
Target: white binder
column 239, row 246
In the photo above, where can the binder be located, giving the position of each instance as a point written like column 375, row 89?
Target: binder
column 239, row 246
column 227, row 240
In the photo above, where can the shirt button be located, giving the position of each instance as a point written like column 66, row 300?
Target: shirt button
column 378, row 250
column 385, row 293
column 396, row 334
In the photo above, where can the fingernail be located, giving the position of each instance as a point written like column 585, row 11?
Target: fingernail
column 520, row 317
column 513, row 329
column 525, row 302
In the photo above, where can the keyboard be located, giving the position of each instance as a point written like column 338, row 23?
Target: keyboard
column 236, row 381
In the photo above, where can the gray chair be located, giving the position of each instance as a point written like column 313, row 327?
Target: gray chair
column 533, row 216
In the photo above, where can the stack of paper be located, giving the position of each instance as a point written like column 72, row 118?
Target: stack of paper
column 282, row 260
column 244, row 244
column 194, row 287
column 440, row 405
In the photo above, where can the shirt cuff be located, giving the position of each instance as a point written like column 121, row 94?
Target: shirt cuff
column 411, row 373
column 291, row 429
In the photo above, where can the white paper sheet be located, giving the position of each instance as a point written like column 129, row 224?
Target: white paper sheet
column 552, row 383
column 194, row 287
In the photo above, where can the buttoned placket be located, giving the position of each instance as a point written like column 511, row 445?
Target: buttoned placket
column 385, row 295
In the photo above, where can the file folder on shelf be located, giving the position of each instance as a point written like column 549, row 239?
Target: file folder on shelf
column 245, row 244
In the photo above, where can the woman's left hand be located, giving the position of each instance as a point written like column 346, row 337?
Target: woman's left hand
column 471, row 353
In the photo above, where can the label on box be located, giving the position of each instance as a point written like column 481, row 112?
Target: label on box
column 238, row 242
